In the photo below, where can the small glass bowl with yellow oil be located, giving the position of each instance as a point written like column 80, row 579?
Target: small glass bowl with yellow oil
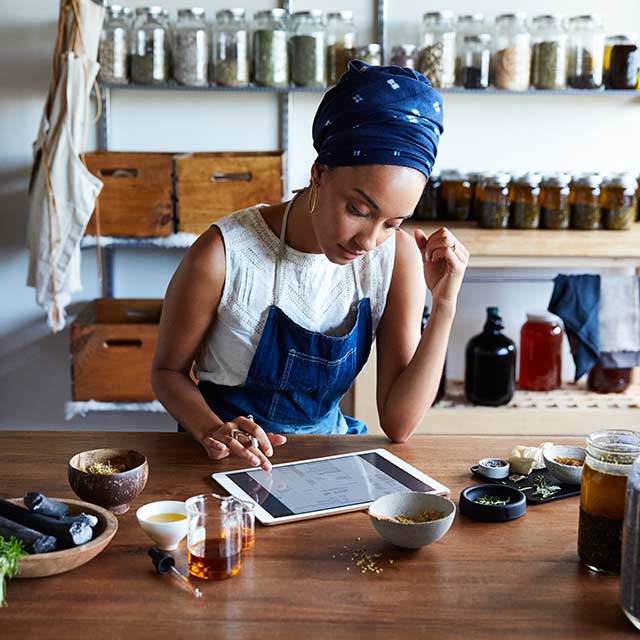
column 165, row 522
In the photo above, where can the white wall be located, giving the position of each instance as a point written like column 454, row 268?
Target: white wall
column 481, row 132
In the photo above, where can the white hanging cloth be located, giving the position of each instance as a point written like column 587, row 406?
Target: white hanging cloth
column 63, row 193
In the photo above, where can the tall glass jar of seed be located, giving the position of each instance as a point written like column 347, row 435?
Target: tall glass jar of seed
column 618, row 201
column 113, row 52
column 270, row 49
column 308, row 49
column 476, row 61
column 470, row 24
column 549, row 52
column 341, row 43
column 512, row 52
column 586, row 52
column 455, row 195
column 403, row 55
column 492, row 201
column 610, row 456
column 624, row 63
column 191, row 48
column 554, row 201
column 427, row 207
column 230, row 61
column 150, row 46
column 524, row 196
column 584, row 201
column 437, row 57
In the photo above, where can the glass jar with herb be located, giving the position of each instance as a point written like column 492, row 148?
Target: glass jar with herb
column 113, row 49
column 524, row 196
column 191, row 48
column 150, row 46
column 584, row 201
column 492, row 201
column 512, row 52
column 471, row 24
column 308, row 49
column 549, row 52
column 370, row 53
column 437, row 57
column 624, row 63
column 610, row 456
column 554, row 201
column 270, row 49
column 230, row 61
column 630, row 561
column 618, row 201
column 341, row 43
column 586, row 52
column 455, row 195
column 404, row 55
column 476, row 61
column 427, row 207
column 475, row 177
column 609, row 43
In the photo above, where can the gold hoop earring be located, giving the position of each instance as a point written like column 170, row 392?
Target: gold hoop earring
column 313, row 198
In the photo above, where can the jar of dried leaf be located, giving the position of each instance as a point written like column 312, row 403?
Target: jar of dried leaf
column 437, row 57
column 270, row 49
column 524, row 196
column 308, row 49
column 230, row 61
column 150, row 46
column 341, row 43
column 554, row 201
column 549, row 52
column 619, row 202
column 584, row 201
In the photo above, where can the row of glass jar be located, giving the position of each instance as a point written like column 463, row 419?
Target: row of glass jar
column 277, row 50
column 548, row 52
column 529, row 201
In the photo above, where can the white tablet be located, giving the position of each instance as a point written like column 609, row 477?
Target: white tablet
column 323, row 486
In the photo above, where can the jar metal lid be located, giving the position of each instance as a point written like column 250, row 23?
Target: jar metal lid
column 621, row 179
column 529, row 178
column 373, row 48
column 446, row 14
column 341, row 15
column 406, row 48
column 559, row 179
column 501, row 178
column 548, row 17
column 453, row 174
column 193, row 12
column 311, row 13
column 277, row 13
column 519, row 16
column 230, row 13
column 542, row 316
column 588, row 179
column 471, row 17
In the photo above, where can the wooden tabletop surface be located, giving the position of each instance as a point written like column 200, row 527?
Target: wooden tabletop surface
column 520, row 579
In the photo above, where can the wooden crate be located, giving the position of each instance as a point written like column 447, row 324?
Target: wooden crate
column 137, row 197
column 212, row 185
column 112, row 347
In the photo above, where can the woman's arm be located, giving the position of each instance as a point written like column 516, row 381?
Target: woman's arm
column 188, row 310
column 409, row 364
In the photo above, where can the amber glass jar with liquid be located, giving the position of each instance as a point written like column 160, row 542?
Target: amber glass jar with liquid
column 610, row 455
column 524, row 194
column 491, row 201
column 554, row 201
column 456, row 194
column 619, row 202
column 584, row 201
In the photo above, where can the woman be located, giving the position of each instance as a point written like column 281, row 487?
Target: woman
column 278, row 305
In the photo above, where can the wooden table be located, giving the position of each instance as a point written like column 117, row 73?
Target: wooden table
column 520, row 579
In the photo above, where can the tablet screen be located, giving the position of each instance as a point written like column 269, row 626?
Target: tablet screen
column 298, row 488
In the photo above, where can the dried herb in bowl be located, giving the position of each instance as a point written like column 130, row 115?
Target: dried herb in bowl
column 425, row 516
column 492, row 501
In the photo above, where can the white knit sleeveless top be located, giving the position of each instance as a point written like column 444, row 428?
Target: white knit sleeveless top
column 314, row 292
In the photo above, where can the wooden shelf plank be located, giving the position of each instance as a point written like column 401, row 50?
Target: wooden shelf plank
column 619, row 246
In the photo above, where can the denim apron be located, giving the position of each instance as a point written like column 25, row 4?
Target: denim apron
column 297, row 377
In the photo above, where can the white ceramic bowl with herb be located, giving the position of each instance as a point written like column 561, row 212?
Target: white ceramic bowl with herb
column 569, row 473
column 393, row 517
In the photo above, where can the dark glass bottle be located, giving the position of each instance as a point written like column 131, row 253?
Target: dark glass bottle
column 442, row 387
column 490, row 364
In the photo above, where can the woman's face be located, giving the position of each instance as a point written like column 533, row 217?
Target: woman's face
column 359, row 208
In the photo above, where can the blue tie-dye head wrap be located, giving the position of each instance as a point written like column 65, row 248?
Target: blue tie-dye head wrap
column 379, row 115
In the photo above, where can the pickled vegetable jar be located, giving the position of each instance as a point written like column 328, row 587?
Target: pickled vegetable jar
column 610, row 456
column 619, row 201
column 455, row 195
column 541, row 352
column 491, row 201
column 524, row 194
column 584, row 201
column 554, row 201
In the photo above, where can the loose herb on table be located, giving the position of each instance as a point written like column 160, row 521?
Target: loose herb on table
column 10, row 553
column 542, row 488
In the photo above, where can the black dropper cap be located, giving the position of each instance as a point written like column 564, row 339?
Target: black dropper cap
column 494, row 322
column 162, row 560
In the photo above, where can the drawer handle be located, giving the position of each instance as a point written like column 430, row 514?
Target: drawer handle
column 245, row 176
column 111, row 344
column 119, row 173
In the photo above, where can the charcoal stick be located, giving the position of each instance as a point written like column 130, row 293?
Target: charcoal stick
column 35, row 501
column 32, row 541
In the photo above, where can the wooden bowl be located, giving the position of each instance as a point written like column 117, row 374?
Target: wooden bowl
column 49, row 564
column 114, row 491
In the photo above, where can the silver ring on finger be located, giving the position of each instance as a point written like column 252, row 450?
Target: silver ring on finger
column 239, row 435
column 453, row 247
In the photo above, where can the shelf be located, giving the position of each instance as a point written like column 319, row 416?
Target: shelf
column 173, row 241
column 173, row 86
column 541, row 247
column 73, row 409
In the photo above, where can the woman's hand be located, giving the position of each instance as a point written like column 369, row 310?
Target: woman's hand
column 219, row 444
column 444, row 260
